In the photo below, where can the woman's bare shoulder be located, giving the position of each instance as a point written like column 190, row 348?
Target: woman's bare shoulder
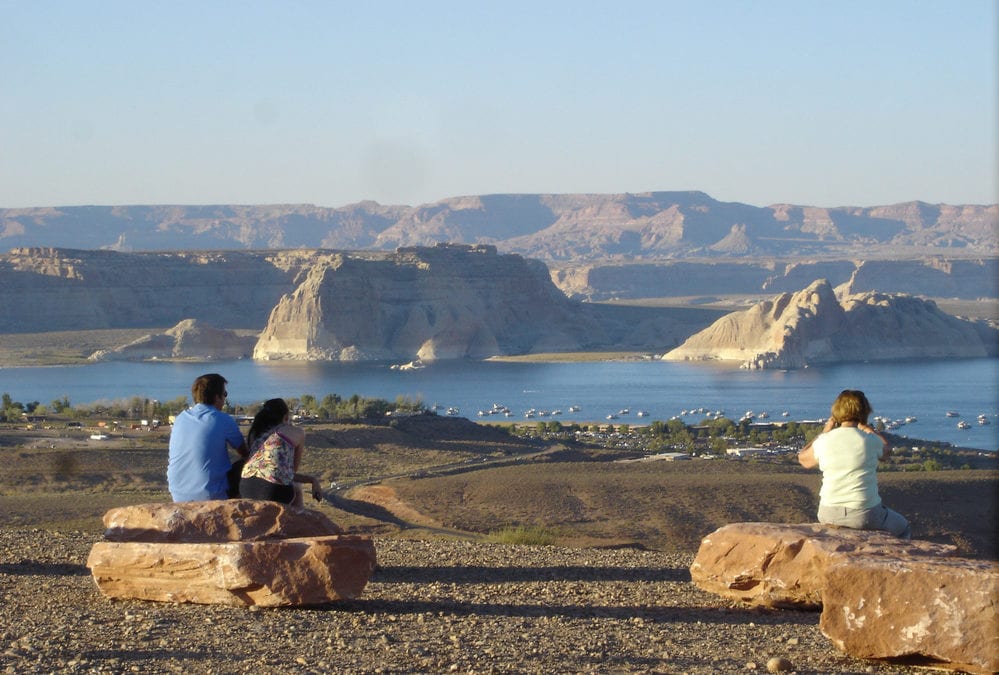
column 292, row 433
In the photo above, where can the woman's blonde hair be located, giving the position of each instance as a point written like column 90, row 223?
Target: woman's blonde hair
column 851, row 406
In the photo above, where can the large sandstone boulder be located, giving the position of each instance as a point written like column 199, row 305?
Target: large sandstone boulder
column 776, row 565
column 215, row 521
column 236, row 552
column 932, row 610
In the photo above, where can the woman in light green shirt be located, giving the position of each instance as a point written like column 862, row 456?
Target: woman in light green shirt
column 847, row 452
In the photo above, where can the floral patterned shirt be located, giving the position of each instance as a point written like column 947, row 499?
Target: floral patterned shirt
column 272, row 458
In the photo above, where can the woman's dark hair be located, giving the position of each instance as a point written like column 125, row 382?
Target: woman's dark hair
column 268, row 417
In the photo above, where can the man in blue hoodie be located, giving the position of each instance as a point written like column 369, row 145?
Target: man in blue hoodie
column 199, row 444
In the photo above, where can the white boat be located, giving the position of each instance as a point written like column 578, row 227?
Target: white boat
column 952, row 413
column 963, row 425
column 412, row 365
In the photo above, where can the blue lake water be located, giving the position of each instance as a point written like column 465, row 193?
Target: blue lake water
column 925, row 390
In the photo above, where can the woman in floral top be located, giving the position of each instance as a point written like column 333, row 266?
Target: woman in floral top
column 275, row 453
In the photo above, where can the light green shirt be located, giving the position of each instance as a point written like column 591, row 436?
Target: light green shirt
column 848, row 459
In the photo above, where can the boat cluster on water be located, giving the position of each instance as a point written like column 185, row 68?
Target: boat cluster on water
column 983, row 419
column 532, row 413
column 752, row 417
column 893, row 424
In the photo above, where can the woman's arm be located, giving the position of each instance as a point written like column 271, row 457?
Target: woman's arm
column 297, row 438
column 317, row 489
column 806, row 457
column 886, row 447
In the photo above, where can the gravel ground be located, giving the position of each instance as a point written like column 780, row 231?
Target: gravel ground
column 430, row 607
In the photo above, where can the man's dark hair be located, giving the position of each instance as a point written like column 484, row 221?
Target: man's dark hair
column 207, row 387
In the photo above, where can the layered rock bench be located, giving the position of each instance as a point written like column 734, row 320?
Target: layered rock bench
column 234, row 552
column 881, row 597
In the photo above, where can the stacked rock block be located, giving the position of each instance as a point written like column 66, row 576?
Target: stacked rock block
column 235, row 552
column 881, row 597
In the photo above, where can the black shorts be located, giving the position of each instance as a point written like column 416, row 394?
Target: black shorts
column 258, row 488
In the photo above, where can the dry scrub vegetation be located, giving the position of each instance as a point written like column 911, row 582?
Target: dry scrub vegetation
column 669, row 506
column 59, row 478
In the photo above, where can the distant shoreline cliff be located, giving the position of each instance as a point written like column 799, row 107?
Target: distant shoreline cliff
column 447, row 301
column 818, row 326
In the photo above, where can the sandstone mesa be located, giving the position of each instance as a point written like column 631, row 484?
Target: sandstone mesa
column 814, row 327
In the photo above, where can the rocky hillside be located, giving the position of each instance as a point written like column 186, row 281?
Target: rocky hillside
column 814, row 326
column 550, row 227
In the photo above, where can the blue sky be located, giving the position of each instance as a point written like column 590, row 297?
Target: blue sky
column 829, row 103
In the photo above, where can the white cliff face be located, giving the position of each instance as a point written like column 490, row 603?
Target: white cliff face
column 446, row 302
column 813, row 327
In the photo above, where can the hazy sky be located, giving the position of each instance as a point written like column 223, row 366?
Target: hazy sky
column 817, row 102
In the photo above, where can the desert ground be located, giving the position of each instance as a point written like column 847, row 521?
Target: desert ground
column 612, row 592
column 471, row 480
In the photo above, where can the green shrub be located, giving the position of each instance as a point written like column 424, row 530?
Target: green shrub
column 524, row 535
column 932, row 465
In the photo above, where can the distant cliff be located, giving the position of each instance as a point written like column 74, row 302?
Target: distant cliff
column 459, row 301
column 47, row 289
column 550, row 227
column 445, row 302
column 933, row 276
column 813, row 326
column 436, row 302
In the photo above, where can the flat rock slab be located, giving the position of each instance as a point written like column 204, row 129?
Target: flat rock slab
column 268, row 573
column 215, row 521
column 777, row 565
column 942, row 611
